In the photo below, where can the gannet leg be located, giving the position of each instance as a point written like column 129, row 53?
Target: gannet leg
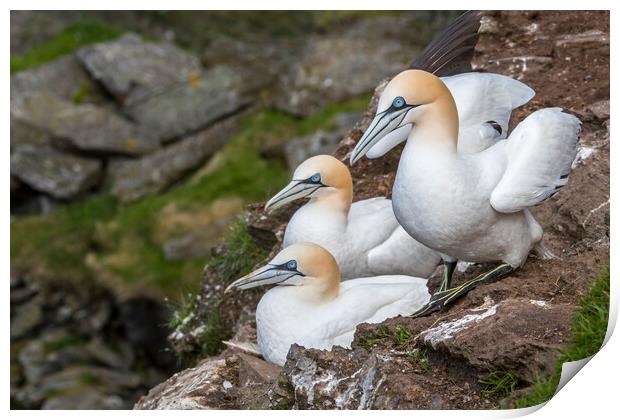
column 444, row 297
column 448, row 270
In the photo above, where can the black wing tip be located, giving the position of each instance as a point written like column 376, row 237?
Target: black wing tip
column 452, row 49
column 495, row 126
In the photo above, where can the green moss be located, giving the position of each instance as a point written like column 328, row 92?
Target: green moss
column 89, row 378
column 70, row 39
column 326, row 19
column 82, row 94
column 588, row 332
column 62, row 342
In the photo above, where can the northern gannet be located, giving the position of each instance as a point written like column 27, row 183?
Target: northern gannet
column 311, row 307
column 471, row 207
column 364, row 237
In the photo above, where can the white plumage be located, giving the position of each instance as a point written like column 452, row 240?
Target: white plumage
column 310, row 306
column 364, row 237
column 539, row 154
column 473, row 207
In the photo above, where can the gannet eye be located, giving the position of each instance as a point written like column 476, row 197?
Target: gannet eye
column 316, row 178
column 291, row 265
column 398, row 102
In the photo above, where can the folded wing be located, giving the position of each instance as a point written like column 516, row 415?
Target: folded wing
column 539, row 154
column 484, row 102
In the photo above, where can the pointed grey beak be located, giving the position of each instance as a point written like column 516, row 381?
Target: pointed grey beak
column 268, row 274
column 384, row 123
column 294, row 190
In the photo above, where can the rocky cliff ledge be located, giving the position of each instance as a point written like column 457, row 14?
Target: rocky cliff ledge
column 512, row 330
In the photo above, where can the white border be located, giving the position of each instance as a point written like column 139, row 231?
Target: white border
column 591, row 394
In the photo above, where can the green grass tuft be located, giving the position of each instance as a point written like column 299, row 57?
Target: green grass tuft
column 241, row 254
column 67, row 41
column 498, row 383
column 377, row 337
column 402, row 335
column 588, row 332
column 421, row 357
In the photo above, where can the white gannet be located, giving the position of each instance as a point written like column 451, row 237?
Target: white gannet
column 364, row 237
column 471, row 207
column 311, row 307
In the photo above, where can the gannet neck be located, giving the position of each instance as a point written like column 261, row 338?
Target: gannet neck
column 438, row 124
column 335, row 199
column 322, row 281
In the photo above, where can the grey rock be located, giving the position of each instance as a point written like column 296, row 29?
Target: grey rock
column 132, row 180
column 86, row 400
column 64, row 78
column 19, row 295
column 600, row 109
column 259, row 61
column 48, row 353
column 131, row 69
column 27, row 318
column 121, row 359
column 58, row 174
column 192, row 105
column 319, row 76
column 202, row 387
column 24, row 135
column 84, row 376
column 321, row 142
column 186, row 247
column 86, row 127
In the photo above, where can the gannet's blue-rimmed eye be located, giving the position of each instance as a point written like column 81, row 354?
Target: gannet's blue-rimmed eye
column 291, row 265
column 315, row 178
column 398, row 102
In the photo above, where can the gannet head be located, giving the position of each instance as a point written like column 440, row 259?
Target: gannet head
column 304, row 265
column 402, row 104
column 318, row 176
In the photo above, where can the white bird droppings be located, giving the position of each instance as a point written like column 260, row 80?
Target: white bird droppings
column 447, row 330
column 227, row 385
column 583, row 153
column 540, row 303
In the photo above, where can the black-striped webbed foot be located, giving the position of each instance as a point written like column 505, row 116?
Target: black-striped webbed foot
column 443, row 298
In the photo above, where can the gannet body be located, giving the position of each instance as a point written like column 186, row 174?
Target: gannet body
column 364, row 237
column 473, row 206
column 310, row 307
